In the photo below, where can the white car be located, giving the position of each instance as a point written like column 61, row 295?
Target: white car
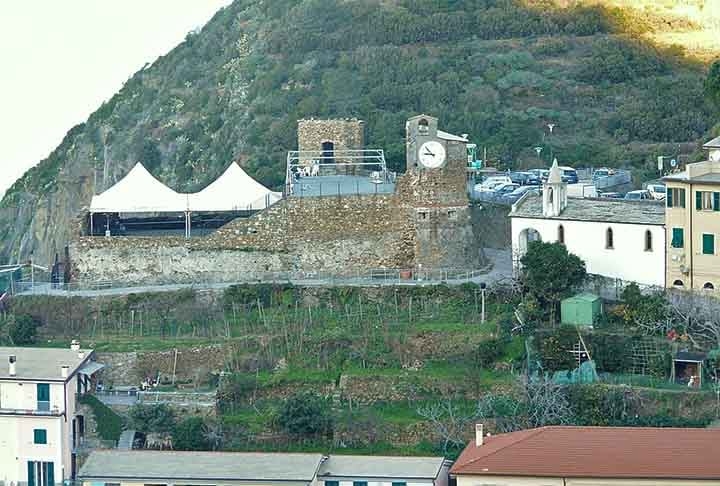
column 492, row 182
column 485, row 187
column 657, row 191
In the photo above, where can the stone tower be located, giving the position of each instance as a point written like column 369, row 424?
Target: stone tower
column 554, row 193
column 434, row 192
column 328, row 137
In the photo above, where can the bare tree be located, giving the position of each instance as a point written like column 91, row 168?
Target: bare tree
column 450, row 421
column 546, row 403
column 699, row 314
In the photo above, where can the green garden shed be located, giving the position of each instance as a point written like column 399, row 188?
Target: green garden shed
column 581, row 310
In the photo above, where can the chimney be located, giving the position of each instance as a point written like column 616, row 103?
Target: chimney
column 478, row 435
column 75, row 345
column 64, row 371
column 12, row 360
column 81, row 354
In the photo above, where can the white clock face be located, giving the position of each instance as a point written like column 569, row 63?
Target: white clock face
column 432, row 155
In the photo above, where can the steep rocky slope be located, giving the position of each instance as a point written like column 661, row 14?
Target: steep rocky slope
column 498, row 69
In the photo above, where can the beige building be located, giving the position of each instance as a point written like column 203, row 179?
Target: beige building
column 591, row 456
column 40, row 427
column 692, row 222
column 195, row 468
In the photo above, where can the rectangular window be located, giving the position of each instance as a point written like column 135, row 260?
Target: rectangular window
column 678, row 238
column 704, row 201
column 452, row 214
column 359, row 483
column 43, row 397
column 716, row 201
column 708, row 244
column 40, row 436
column 675, row 197
column 422, row 215
column 399, row 484
column 332, row 483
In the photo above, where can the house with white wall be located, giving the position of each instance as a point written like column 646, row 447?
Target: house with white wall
column 40, row 427
column 196, row 468
column 618, row 239
column 591, row 456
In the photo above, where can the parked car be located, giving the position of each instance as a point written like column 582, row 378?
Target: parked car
column 641, row 195
column 515, row 195
column 657, row 191
column 599, row 173
column 532, row 179
column 611, row 195
column 541, row 174
column 488, row 187
column 492, row 181
column 569, row 175
column 505, row 189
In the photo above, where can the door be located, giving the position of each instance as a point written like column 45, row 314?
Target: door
column 41, row 473
column 328, row 153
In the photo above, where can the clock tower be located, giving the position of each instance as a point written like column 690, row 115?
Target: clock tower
column 434, row 189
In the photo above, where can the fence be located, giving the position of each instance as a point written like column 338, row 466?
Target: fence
column 379, row 276
column 132, row 396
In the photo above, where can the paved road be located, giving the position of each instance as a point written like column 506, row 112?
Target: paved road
column 500, row 269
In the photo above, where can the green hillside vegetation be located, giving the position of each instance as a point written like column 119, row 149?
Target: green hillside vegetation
column 499, row 70
column 385, row 367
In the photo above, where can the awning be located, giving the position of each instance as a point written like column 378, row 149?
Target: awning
column 90, row 368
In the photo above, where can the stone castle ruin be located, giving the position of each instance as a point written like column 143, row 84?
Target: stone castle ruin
column 420, row 221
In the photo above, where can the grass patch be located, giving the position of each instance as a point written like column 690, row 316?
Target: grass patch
column 109, row 424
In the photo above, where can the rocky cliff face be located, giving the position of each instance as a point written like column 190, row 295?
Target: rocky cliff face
column 497, row 69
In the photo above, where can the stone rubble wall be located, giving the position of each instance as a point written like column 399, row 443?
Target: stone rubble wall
column 337, row 235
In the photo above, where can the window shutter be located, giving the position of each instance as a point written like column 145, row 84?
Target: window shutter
column 708, row 244
column 716, row 201
column 698, row 200
column 668, row 197
column 678, row 238
column 681, row 195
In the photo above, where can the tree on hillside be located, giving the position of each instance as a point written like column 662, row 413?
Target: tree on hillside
column 712, row 84
column 551, row 274
column 152, row 418
column 306, row 414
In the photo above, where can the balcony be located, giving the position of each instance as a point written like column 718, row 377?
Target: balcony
column 43, row 410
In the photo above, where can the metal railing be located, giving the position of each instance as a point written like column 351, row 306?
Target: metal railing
column 376, row 276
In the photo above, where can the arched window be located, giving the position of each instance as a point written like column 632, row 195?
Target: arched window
column 678, row 284
column 648, row 240
column 609, row 243
column 561, row 234
column 423, row 126
column 708, row 286
column 550, row 195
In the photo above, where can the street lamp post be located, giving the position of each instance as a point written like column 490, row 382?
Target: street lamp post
column 483, row 288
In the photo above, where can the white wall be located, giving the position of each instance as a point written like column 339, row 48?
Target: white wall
column 627, row 261
column 386, row 483
column 17, row 445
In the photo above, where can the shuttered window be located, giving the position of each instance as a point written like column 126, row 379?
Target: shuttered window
column 678, row 238
column 708, row 244
column 716, row 201
column 675, row 197
column 40, row 436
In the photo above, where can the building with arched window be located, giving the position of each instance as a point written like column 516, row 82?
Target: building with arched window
column 693, row 222
column 615, row 238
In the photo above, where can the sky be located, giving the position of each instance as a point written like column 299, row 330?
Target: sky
column 61, row 59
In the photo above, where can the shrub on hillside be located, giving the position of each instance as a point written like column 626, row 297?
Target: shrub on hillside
column 306, row 414
column 152, row 418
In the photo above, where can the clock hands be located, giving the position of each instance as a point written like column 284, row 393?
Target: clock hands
column 427, row 152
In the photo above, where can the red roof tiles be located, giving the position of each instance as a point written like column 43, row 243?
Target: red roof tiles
column 596, row 452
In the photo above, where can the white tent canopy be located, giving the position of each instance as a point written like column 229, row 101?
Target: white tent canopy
column 234, row 190
column 140, row 192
